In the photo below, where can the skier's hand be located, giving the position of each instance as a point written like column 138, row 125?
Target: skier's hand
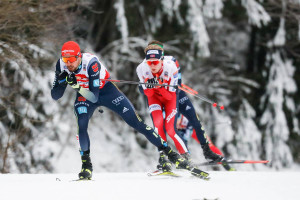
column 151, row 80
column 61, row 77
column 72, row 81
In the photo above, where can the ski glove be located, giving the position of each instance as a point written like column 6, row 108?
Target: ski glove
column 72, row 81
column 61, row 77
column 151, row 80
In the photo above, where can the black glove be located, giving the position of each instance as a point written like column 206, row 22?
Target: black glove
column 152, row 80
column 72, row 81
column 61, row 77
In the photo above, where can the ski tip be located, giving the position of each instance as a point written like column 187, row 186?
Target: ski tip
column 161, row 173
column 200, row 174
column 83, row 179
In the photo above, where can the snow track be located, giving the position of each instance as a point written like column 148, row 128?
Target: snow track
column 138, row 186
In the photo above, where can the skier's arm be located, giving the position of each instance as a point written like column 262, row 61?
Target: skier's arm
column 94, row 83
column 141, row 89
column 171, row 92
column 146, row 91
column 140, row 75
column 179, row 70
column 174, row 80
column 57, row 90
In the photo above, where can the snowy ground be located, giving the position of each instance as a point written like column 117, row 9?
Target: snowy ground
column 138, row 186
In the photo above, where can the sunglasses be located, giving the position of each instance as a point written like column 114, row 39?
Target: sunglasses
column 70, row 59
column 155, row 62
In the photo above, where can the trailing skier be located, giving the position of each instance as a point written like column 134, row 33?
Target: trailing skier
column 157, row 68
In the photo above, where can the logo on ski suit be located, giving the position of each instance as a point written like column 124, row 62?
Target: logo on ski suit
column 117, row 100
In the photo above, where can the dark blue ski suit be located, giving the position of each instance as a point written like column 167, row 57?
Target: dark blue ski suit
column 107, row 94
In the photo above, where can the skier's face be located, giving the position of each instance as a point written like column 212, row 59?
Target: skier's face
column 154, row 64
column 70, row 63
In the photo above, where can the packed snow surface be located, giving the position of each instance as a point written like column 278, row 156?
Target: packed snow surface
column 138, row 186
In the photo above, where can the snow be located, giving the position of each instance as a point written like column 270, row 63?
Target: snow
column 198, row 28
column 279, row 39
column 256, row 13
column 137, row 186
column 121, row 22
column 213, row 8
column 279, row 86
column 169, row 7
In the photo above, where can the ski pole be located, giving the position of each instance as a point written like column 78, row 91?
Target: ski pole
column 188, row 88
column 202, row 98
column 138, row 83
column 234, row 162
column 166, row 85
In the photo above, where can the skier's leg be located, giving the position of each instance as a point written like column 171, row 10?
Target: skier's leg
column 170, row 125
column 155, row 109
column 112, row 98
column 210, row 144
column 84, row 110
column 216, row 150
column 187, row 109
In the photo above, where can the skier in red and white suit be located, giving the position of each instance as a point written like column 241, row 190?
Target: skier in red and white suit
column 156, row 69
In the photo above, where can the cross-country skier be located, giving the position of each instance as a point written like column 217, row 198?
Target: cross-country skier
column 82, row 71
column 155, row 68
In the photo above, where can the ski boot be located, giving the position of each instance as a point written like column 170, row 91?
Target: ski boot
column 163, row 163
column 228, row 167
column 210, row 155
column 182, row 163
column 187, row 156
column 176, row 159
column 87, row 167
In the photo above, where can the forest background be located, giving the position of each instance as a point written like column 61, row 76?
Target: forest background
column 244, row 54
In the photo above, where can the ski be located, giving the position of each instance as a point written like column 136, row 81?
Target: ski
column 161, row 173
column 200, row 174
column 83, row 179
column 234, row 162
column 195, row 172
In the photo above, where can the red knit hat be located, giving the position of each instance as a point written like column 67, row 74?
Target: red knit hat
column 70, row 48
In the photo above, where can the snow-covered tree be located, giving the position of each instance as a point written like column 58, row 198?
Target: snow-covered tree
column 243, row 54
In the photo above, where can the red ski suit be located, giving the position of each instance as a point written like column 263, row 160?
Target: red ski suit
column 162, row 99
